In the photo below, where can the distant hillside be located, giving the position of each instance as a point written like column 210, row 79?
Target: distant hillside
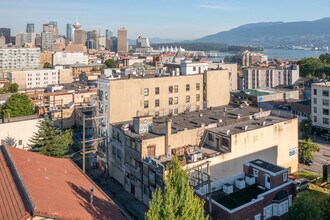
column 275, row 34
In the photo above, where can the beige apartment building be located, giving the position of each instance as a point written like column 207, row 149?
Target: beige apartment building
column 225, row 137
column 232, row 68
column 33, row 79
column 122, row 46
column 125, row 98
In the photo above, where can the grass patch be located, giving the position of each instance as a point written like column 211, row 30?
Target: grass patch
column 305, row 174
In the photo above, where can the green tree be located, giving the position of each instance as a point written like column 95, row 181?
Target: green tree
column 326, row 208
column 110, row 63
column 325, row 58
column 178, row 200
column 17, row 105
column 47, row 65
column 9, row 88
column 306, row 127
column 310, row 66
column 51, row 141
column 304, row 208
column 307, row 148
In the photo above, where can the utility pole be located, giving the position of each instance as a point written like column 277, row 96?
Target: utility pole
column 84, row 145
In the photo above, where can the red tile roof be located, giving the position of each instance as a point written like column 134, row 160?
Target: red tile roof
column 11, row 203
column 59, row 189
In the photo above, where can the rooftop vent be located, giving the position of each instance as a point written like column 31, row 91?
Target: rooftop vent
column 228, row 188
column 238, row 116
column 227, row 132
column 200, row 115
column 245, row 128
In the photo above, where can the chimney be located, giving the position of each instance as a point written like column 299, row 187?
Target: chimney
column 168, row 136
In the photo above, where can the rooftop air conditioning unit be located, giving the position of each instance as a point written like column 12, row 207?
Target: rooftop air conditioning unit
column 228, row 188
column 240, row 183
column 249, row 179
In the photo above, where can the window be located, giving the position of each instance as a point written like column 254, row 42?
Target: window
column 315, row 101
column 315, row 91
column 325, row 111
column 326, row 121
column 176, row 100
column 170, row 101
column 170, row 111
column 156, row 102
column 20, row 142
column 157, row 90
column 315, row 109
column 315, row 118
column 268, row 212
column 187, row 87
column 176, row 111
column 194, row 68
column 146, row 104
column 325, row 92
column 198, row 97
column 198, row 86
column 114, row 150
column 255, row 172
column 170, row 89
column 285, row 177
column 257, row 217
column 187, row 99
column 176, row 89
column 325, row 102
column 146, row 92
column 210, row 137
column 119, row 154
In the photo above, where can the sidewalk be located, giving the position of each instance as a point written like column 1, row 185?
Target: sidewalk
column 122, row 198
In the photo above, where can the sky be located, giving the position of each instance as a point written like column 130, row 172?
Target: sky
column 174, row 19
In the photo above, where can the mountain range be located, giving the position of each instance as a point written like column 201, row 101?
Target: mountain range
column 274, row 34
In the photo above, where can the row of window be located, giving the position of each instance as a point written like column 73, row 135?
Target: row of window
column 171, row 101
column 325, row 102
column 171, row 89
column 324, row 120
column 324, row 92
column 325, row 111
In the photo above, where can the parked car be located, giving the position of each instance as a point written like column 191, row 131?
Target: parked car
column 302, row 184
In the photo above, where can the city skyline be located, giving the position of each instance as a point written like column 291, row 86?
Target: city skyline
column 184, row 19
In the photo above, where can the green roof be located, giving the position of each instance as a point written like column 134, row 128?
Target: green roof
column 254, row 92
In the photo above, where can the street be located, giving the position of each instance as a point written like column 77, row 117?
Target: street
column 321, row 157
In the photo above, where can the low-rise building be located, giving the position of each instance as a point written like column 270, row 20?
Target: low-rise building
column 40, row 78
column 40, row 187
column 68, row 58
column 302, row 109
column 262, row 191
column 263, row 97
column 225, row 137
column 46, row 57
column 256, row 78
column 20, row 138
column 232, row 68
column 321, row 106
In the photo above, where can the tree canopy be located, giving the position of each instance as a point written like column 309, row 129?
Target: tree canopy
column 47, row 65
column 306, row 149
column 304, row 208
column 9, row 88
column 306, row 127
column 110, row 63
column 177, row 200
column 315, row 67
column 17, row 105
column 51, row 141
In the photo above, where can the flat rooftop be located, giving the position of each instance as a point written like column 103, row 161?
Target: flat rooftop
column 322, row 84
column 267, row 166
column 240, row 197
column 262, row 92
column 220, row 119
